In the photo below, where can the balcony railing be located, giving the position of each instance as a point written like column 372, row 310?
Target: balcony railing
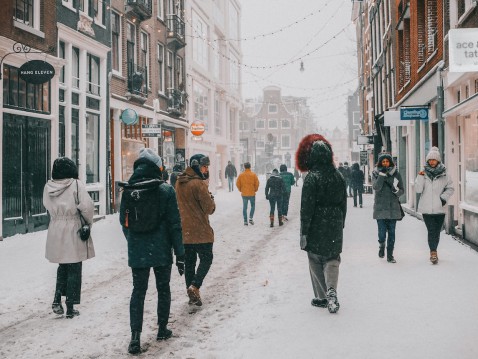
column 141, row 8
column 176, row 31
column 137, row 79
column 176, row 101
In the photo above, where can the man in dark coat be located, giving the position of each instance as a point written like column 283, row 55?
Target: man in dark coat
column 322, row 217
column 153, row 249
column 177, row 170
column 356, row 181
column 275, row 189
column 230, row 174
column 289, row 181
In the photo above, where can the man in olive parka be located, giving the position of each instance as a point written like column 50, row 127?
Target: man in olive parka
column 322, row 217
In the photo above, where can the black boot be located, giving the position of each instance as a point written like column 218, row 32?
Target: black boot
column 56, row 306
column 164, row 333
column 70, row 311
column 390, row 258
column 381, row 250
column 134, row 346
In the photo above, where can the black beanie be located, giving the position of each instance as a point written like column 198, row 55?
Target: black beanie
column 198, row 160
column 63, row 168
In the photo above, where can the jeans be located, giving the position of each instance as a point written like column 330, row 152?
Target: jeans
column 359, row 193
column 434, row 223
column 384, row 226
column 285, row 203
column 273, row 201
column 230, row 181
column 245, row 200
column 324, row 273
column 193, row 251
column 68, row 282
column 140, row 286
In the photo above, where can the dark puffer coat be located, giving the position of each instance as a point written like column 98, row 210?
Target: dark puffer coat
column 275, row 186
column 153, row 249
column 357, row 177
column 323, row 204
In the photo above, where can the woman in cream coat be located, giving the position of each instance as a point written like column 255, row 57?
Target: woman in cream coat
column 436, row 188
column 63, row 196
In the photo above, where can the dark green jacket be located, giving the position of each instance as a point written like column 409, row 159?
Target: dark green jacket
column 154, row 248
column 323, row 210
column 288, row 179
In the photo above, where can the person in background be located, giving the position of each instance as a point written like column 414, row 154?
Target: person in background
column 436, row 188
column 63, row 197
column 275, row 189
column 153, row 249
column 388, row 186
column 196, row 204
column 230, row 174
column 297, row 176
column 165, row 174
column 356, row 182
column 289, row 181
column 177, row 170
column 248, row 184
column 322, row 218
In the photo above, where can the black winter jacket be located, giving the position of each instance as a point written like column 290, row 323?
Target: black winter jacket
column 275, row 187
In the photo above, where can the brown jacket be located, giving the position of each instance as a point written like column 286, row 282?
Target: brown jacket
column 195, row 205
column 247, row 183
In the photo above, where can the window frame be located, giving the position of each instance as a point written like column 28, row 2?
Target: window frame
column 161, row 67
column 119, row 44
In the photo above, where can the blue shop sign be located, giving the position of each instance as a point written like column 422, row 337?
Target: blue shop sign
column 129, row 116
column 414, row 113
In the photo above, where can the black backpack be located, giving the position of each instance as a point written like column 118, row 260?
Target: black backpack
column 139, row 210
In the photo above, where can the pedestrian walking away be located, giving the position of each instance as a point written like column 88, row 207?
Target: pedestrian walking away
column 322, row 218
column 436, row 188
column 297, row 176
column 177, row 170
column 152, row 236
column 275, row 189
column 248, row 184
column 356, row 180
column 388, row 186
column 230, row 174
column 196, row 204
column 66, row 199
column 289, row 181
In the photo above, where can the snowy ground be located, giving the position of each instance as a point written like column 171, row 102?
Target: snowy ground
column 256, row 296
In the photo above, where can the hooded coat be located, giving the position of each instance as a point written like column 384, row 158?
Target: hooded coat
column 275, row 186
column 287, row 177
column 196, row 204
column 153, row 249
column 433, row 190
column 62, row 201
column 357, row 177
column 386, row 204
column 324, row 201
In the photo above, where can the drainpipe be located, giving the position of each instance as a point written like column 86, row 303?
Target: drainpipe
column 440, row 107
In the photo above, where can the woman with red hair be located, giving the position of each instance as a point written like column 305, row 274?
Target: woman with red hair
column 322, row 217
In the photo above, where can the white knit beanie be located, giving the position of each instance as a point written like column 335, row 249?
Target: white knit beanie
column 434, row 154
column 151, row 155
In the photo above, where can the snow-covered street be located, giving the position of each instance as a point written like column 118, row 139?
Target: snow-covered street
column 256, row 296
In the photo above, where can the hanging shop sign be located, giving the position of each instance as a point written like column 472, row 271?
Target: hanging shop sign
column 414, row 113
column 463, row 50
column 365, row 140
column 151, row 130
column 363, row 158
column 129, row 116
column 36, row 72
column 198, row 128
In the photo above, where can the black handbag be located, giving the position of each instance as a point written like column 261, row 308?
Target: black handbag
column 85, row 229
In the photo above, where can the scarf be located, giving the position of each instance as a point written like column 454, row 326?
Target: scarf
column 434, row 172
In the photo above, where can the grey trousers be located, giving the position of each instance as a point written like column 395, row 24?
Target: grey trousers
column 324, row 273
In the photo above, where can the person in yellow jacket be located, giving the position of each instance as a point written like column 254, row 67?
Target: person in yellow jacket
column 248, row 184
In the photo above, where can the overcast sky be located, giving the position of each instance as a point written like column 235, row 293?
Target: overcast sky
column 329, row 71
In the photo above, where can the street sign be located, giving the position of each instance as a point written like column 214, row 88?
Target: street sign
column 363, row 158
column 197, row 128
column 414, row 113
column 152, row 130
column 365, row 140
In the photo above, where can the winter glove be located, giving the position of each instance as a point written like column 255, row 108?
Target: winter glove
column 421, row 173
column 303, row 241
column 180, row 264
column 383, row 174
column 443, row 202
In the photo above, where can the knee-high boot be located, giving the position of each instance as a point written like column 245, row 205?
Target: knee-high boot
column 272, row 220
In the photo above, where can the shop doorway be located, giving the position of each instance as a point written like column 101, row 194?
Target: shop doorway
column 26, row 168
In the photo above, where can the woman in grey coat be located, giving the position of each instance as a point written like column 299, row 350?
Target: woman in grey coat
column 436, row 188
column 388, row 186
column 63, row 196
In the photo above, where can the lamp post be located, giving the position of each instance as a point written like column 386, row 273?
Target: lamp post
column 254, row 136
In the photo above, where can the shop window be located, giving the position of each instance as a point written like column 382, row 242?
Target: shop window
column 92, row 148
column 93, row 74
column 471, row 161
column 61, row 131
column 75, row 135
